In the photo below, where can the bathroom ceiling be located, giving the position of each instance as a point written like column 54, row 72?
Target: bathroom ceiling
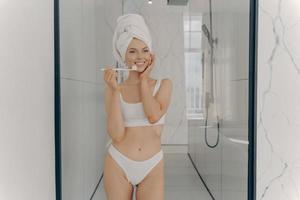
column 202, row 6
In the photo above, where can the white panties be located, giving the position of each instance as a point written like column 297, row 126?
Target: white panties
column 135, row 171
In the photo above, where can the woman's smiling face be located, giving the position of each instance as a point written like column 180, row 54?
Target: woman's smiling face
column 138, row 54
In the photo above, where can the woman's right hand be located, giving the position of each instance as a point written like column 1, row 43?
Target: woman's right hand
column 110, row 77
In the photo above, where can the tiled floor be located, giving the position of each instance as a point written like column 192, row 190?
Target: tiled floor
column 181, row 180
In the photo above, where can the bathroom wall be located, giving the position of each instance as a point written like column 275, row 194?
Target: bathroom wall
column 86, row 44
column 86, row 28
column 166, row 28
column 224, row 167
column 278, row 97
column 27, row 154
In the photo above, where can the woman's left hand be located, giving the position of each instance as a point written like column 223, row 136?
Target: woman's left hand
column 146, row 73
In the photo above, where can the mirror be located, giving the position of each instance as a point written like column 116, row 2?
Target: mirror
column 202, row 48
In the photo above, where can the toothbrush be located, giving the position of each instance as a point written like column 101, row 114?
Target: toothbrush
column 134, row 67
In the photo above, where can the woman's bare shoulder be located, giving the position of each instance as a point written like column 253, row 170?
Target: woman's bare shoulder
column 167, row 81
column 166, row 86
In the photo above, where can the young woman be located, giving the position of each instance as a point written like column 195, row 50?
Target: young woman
column 136, row 112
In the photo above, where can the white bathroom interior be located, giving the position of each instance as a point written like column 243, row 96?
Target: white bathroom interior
column 232, row 128
column 203, row 47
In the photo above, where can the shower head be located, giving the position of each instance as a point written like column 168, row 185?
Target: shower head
column 209, row 36
column 177, row 2
column 207, row 33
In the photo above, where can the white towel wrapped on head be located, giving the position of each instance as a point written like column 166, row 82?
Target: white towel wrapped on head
column 128, row 27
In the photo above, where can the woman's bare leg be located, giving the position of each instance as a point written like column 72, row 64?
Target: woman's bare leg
column 152, row 187
column 116, row 185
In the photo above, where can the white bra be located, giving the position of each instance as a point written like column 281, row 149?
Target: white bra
column 133, row 113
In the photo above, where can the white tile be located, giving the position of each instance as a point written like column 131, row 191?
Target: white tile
column 278, row 172
column 71, row 139
column 180, row 193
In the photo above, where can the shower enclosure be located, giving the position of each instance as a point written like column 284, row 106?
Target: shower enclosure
column 221, row 137
column 207, row 48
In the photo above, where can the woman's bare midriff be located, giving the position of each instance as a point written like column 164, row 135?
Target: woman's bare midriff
column 140, row 143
